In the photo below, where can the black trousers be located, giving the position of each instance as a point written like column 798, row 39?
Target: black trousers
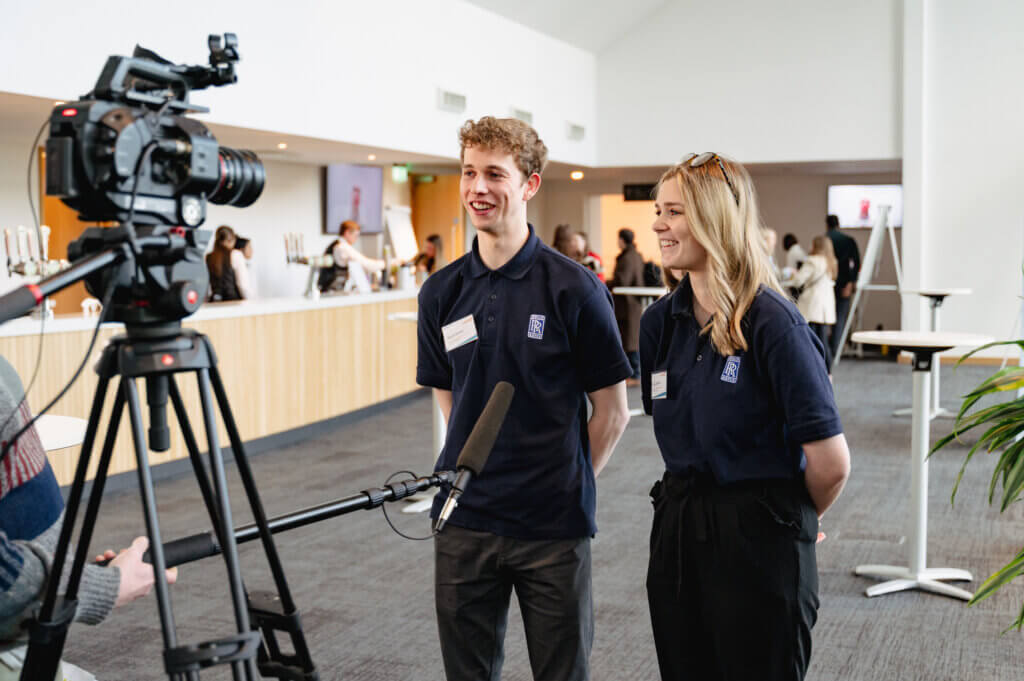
column 474, row 576
column 732, row 580
column 822, row 332
column 842, row 312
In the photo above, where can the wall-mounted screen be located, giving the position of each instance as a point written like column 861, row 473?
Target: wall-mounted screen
column 353, row 192
column 857, row 204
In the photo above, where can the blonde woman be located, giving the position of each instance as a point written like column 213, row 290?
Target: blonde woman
column 745, row 419
column 817, row 302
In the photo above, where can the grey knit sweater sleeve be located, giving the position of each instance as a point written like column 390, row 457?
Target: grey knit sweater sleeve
column 96, row 594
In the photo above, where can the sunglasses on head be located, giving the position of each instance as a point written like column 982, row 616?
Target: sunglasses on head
column 698, row 160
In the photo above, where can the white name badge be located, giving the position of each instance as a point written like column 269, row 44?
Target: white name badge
column 659, row 385
column 458, row 333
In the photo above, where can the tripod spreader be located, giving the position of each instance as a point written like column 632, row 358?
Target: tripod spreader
column 205, row 544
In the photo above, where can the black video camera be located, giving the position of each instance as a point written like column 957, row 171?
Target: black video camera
column 127, row 153
column 132, row 126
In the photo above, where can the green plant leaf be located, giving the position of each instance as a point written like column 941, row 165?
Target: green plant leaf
column 1013, row 483
column 1000, row 578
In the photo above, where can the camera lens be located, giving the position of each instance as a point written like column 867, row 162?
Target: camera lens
column 241, row 178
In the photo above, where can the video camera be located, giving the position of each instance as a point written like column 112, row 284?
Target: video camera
column 131, row 125
column 127, row 153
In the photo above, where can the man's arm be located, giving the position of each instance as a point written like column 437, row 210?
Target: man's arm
column 352, row 253
column 444, row 401
column 607, row 422
column 828, row 468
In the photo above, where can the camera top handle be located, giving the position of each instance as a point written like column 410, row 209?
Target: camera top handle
column 145, row 77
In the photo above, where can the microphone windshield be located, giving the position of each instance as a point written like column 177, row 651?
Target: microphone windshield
column 481, row 439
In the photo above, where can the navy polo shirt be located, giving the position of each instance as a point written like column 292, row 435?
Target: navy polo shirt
column 546, row 325
column 740, row 417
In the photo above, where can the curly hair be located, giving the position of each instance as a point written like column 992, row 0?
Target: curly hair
column 509, row 135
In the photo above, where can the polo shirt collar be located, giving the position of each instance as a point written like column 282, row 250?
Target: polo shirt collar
column 682, row 299
column 516, row 268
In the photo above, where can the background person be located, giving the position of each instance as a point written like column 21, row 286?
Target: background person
column 629, row 271
column 530, row 317
column 587, row 258
column 564, row 241
column 343, row 251
column 795, row 254
column 848, row 258
column 241, row 258
column 732, row 580
column 432, row 256
column 816, row 282
column 221, row 265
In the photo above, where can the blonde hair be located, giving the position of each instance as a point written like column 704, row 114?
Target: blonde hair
column 822, row 245
column 730, row 231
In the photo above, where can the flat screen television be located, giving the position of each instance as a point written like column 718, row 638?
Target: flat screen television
column 856, row 205
column 353, row 192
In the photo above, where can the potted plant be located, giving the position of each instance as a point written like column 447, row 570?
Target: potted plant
column 1004, row 430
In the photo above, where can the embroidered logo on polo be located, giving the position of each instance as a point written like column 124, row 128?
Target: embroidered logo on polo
column 731, row 373
column 536, row 328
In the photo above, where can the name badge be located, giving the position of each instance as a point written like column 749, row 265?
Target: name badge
column 659, row 385
column 459, row 333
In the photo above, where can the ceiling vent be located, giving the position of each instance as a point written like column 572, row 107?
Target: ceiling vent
column 451, row 101
column 523, row 115
column 575, row 132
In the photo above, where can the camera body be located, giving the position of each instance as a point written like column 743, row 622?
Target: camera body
column 130, row 136
column 128, row 153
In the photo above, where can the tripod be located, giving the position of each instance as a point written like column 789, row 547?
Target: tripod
column 156, row 354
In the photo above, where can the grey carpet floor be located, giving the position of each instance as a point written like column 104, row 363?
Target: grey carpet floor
column 366, row 593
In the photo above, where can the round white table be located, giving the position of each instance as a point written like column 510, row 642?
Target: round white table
column 935, row 297
column 422, row 501
column 58, row 432
column 923, row 345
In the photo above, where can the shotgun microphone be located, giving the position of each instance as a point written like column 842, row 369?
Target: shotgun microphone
column 478, row 446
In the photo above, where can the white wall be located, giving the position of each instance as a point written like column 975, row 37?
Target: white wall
column 359, row 72
column 787, row 80
column 972, row 179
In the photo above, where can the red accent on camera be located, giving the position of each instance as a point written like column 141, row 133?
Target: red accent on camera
column 167, row 360
column 36, row 293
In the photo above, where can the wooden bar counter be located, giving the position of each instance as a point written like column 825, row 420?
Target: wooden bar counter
column 285, row 363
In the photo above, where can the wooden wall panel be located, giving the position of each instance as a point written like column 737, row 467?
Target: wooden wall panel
column 281, row 371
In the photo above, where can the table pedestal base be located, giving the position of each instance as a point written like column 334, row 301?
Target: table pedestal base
column 940, row 413
column 902, row 579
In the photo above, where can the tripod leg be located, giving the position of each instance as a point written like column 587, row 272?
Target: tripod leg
column 156, row 552
column 46, row 641
column 193, row 453
column 96, row 497
column 227, row 533
column 268, row 618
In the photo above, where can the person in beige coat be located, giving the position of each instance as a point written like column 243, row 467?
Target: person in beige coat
column 817, row 301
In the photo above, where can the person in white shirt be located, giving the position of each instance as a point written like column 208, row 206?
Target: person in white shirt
column 344, row 249
column 795, row 254
column 816, row 279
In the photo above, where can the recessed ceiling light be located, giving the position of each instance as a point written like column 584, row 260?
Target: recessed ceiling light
column 371, row 157
column 282, row 145
column 576, row 175
column 58, row 103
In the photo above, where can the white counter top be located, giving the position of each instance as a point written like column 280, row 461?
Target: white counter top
column 25, row 326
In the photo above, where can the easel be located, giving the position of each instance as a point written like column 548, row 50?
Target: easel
column 869, row 270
